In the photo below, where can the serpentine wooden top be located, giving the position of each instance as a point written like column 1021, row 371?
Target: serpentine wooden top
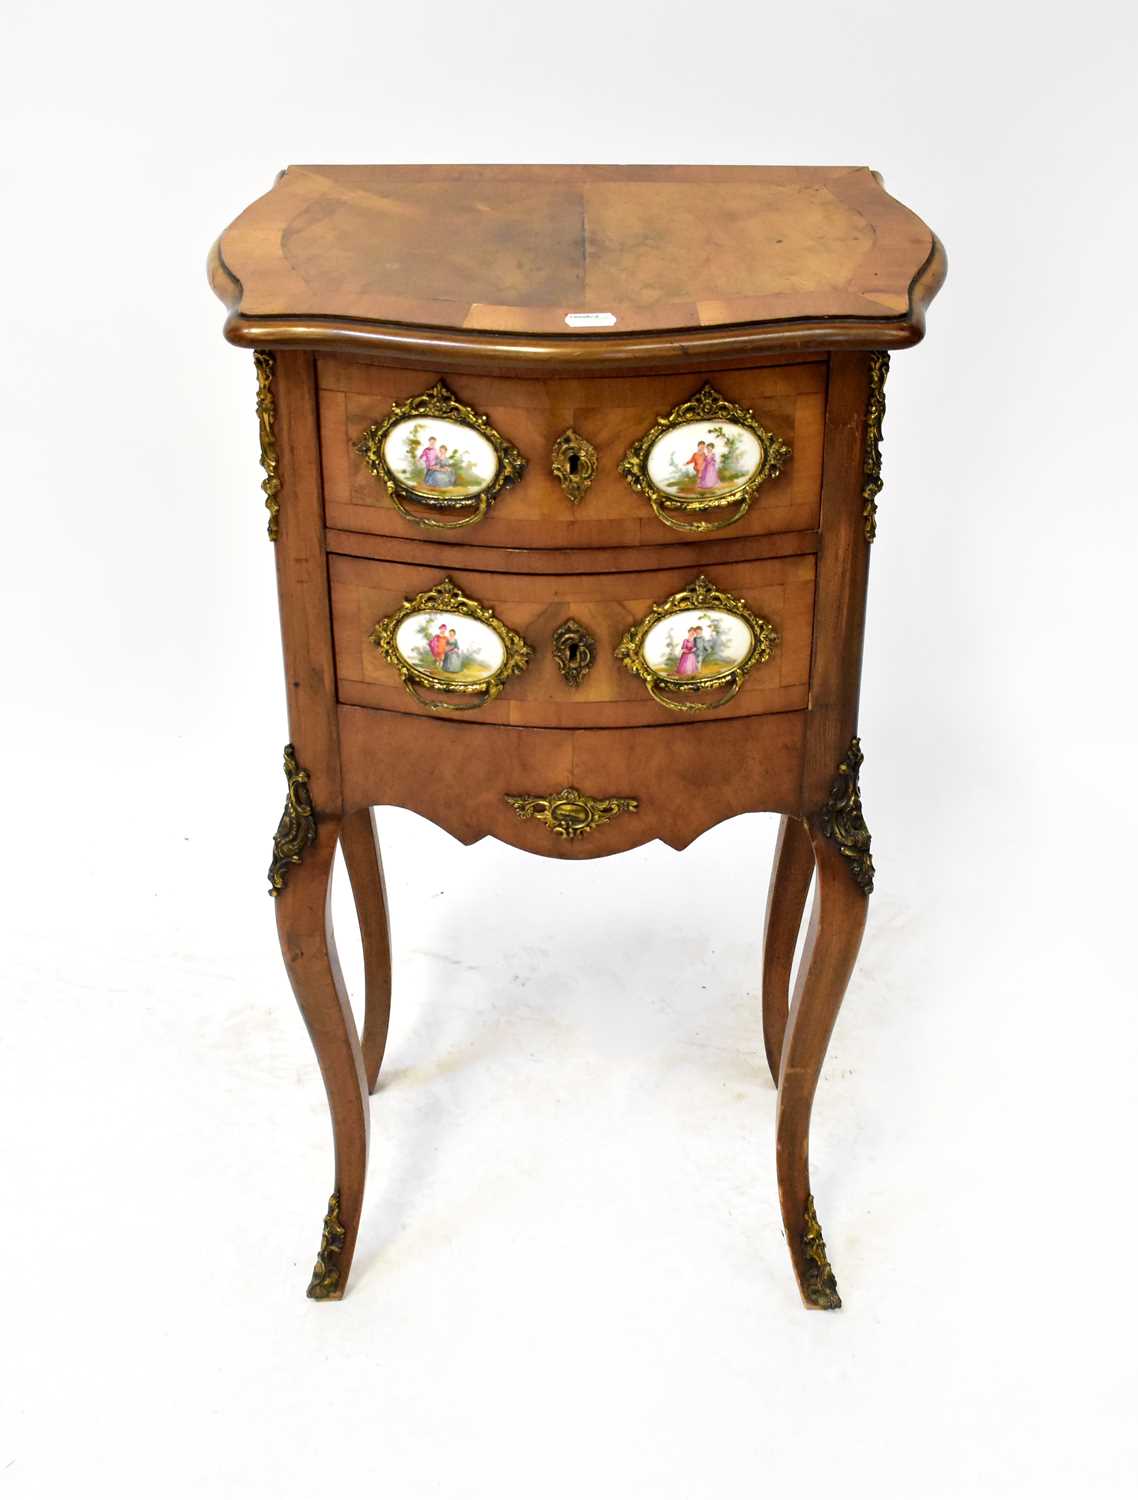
column 581, row 268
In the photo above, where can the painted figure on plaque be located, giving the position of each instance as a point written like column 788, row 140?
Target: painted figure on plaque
column 709, row 474
column 438, row 644
column 452, row 658
column 688, row 665
column 723, row 456
column 441, row 475
column 439, row 457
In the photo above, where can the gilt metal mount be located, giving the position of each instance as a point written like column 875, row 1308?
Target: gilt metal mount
column 297, row 827
column 871, row 467
column 821, row 1287
column 571, row 814
column 266, row 416
column 842, row 821
column 574, row 651
column 574, row 464
column 325, row 1281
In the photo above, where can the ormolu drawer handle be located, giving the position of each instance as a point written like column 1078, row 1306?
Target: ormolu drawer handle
column 707, row 455
column 571, row 814
column 700, row 640
column 446, row 642
column 434, row 452
column 480, row 509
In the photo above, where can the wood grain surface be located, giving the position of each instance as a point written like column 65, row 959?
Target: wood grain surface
column 686, row 777
column 493, row 266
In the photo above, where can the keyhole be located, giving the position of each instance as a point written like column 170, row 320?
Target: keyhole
column 573, row 653
column 574, row 464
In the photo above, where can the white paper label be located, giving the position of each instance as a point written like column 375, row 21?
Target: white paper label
column 590, row 320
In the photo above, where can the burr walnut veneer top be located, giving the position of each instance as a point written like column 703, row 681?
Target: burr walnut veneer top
column 414, row 260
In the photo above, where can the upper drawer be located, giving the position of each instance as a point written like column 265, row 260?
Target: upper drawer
column 787, row 402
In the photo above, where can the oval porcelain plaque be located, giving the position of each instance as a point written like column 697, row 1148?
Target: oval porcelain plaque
column 439, row 458
column 697, row 643
column 704, row 460
column 450, row 648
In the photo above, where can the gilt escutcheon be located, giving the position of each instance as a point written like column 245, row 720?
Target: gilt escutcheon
column 574, row 651
column 574, row 464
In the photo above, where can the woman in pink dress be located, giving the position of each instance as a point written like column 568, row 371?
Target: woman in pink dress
column 709, row 474
column 438, row 644
column 688, row 663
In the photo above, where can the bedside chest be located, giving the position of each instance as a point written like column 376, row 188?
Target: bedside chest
column 572, row 479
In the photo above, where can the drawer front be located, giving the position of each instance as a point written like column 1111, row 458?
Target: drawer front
column 626, row 786
column 531, row 506
column 543, row 682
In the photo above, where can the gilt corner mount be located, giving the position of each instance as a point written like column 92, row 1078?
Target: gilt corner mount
column 297, row 827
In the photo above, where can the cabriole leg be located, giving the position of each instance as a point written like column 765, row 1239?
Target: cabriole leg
column 791, row 875
column 844, row 869
column 302, row 881
column 360, row 843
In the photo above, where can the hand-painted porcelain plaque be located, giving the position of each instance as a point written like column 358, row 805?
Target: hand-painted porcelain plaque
column 434, row 453
column 700, row 639
column 434, row 457
column 444, row 641
column 707, row 455
column 458, row 650
column 721, row 457
column 696, row 643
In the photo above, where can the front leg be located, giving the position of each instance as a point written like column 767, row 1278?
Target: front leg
column 791, row 874
column 302, row 881
column 360, row 843
column 844, row 868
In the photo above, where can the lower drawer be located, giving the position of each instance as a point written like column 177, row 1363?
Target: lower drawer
column 479, row 780
column 601, row 610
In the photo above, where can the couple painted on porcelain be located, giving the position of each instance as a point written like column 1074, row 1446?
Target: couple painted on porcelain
column 439, row 473
column 706, row 465
column 695, row 649
column 445, row 650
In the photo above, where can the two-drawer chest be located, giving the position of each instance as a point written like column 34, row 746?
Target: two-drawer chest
column 572, row 478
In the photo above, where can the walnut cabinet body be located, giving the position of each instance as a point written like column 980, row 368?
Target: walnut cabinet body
column 494, row 551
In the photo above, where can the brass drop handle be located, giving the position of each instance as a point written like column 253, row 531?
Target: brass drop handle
column 391, row 451
column 695, row 706
column 732, row 455
column 480, row 503
column 737, row 641
column 675, row 521
column 402, row 640
column 443, row 705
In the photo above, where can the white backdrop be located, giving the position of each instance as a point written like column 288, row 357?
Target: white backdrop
column 571, row 1278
